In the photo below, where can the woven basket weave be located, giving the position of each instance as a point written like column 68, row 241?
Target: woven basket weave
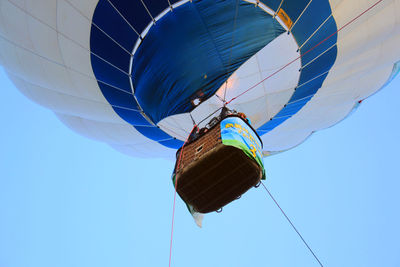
column 211, row 174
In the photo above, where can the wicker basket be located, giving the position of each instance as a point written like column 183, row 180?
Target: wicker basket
column 211, row 174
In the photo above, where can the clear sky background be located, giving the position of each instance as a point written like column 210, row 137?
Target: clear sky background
column 67, row 201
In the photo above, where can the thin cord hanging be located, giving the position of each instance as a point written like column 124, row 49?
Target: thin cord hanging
column 212, row 113
column 176, row 184
column 294, row 228
column 193, row 121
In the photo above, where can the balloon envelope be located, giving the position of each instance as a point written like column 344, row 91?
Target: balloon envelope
column 135, row 74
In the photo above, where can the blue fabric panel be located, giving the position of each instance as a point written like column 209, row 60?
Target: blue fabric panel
column 156, row 7
column 270, row 125
column 118, row 97
column 294, row 8
column 121, row 98
column 316, row 68
column 123, row 104
column 272, row 4
column 328, row 29
column 135, row 118
column 190, row 51
column 322, row 64
column 292, row 108
column 109, row 50
column 115, row 26
column 313, row 17
column 308, row 90
column 109, row 74
column 309, row 84
column 173, row 143
column 135, row 13
column 153, row 133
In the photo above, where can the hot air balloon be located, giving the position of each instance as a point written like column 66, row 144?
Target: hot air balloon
column 139, row 74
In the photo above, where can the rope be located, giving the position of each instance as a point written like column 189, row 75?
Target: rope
column 294, row 228
column 298, row 18
column 319, row 27
column 176, row 184
column 212, row 113
column 148, row 12
column 279, row 7
column 308, row 51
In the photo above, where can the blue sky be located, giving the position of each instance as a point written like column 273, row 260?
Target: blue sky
column 69, row 201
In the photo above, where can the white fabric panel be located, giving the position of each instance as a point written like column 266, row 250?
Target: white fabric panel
column 44, row 39
column 335, row 3
column 283, row 140
column 326, row 109
column 44, row 73
column 30, row 67
column 369, row 59
column 152, row 151
column 370, row 82
column 15, row 24
column 85, row 7
column 240, row 81
column 113, row 133
column 256, row 110
column 82, row 127
column 355, row 86
column 2, row 24
column 367, row 50
column 277, row 54
column 57, row 78
column 66, row 104
column 72, row 24
column 86, row 87
column 21, row 85
column 43, row 9
column 9, row 56
column 45, row 76
column 346, row 10
column 75, row 57
column 121, row 137
column 352, row 66
column 276, row 101
column 203, row 110
column 268, row 60
column 178, row 126
column 333, row 104
column 54, row 69
column 366, row 32
column 331, row 109
column 36, row 69
column 260, row 103
column 19, row 3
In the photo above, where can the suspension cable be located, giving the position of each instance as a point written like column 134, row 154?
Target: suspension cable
column 308, row 51
column 232, row 99
column 294, row 228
